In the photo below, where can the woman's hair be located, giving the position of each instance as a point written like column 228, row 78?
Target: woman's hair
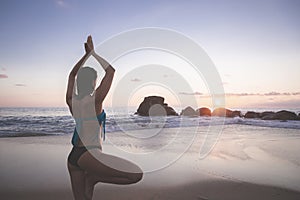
column 86, row 77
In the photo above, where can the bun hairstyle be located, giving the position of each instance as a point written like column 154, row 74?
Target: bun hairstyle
column 86, row 78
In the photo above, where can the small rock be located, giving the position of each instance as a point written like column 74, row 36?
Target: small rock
column 266, row 114
column 285, row 115
column 251, row 114
column 204, row 111
column 222, row 112
column 269, row 117
column 236, row 113
column 189, row 111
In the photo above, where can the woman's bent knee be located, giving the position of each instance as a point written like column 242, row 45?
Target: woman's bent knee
column 139, row 177
column 135, row 177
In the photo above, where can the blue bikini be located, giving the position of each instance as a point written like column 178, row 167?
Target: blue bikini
column 101, row 119
column 77, row 151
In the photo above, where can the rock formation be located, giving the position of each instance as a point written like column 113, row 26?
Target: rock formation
column 155, row 106
column 189, row 111
column 157, row 103
column 266, row 114
column 251, row 114
column 204, row 112
column 224, row 112
column 285, row 115
column 269, row 115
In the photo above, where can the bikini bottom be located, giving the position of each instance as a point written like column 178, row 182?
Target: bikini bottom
column 76, row 152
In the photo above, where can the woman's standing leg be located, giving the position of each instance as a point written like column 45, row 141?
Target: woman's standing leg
column 96, row 171
column 78, row 180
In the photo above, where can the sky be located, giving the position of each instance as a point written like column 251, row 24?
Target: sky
column 255, row 46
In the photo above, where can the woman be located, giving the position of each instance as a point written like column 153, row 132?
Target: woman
column 86, row 162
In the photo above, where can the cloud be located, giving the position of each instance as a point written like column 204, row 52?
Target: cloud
column 135, row 80
column 3, row 76
column 20, row 85
column 264, row 94
column 273, row 94
column 3, row 69
column 61, row 3
column 293, row 103
column 191, row 93
column 245, row 94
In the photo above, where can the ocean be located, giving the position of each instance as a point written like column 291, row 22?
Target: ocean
column 42, row 121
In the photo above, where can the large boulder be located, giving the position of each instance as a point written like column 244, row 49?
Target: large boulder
column 236, row 113
column 281, row 115
column 158, row 107
column 285, row 115
column 251, row 114
column 269, row 117
column 170, row 110
column 204, row 111
column 266, row 114
column 189, row 111
column 222, row 112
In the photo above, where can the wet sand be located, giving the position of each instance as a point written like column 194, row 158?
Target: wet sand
column 247, row 163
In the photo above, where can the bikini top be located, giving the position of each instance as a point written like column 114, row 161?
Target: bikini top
column 101, row 119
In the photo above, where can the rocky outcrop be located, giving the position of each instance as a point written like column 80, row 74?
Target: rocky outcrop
column 285, row 115
column 269, row 115
column 266, row 114
column 236, row 113
column 204, row 112
column 222, row 112
column 155, row 106
column 251, row 114
column 189, row 111
column 170, row 111
column 157, row 103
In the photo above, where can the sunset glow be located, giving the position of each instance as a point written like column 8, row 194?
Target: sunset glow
column 255, row 47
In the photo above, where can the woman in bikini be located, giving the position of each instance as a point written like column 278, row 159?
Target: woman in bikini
column 87, row 164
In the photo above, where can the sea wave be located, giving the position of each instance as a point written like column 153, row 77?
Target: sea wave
column 42, row 121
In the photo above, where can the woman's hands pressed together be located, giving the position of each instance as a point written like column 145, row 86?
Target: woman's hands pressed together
column 89, row 46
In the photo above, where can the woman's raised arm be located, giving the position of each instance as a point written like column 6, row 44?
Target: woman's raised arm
column 73, row 73
column 106, row 82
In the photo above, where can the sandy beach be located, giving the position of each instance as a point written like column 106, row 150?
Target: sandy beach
column 203, row 97
column 247, row 163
